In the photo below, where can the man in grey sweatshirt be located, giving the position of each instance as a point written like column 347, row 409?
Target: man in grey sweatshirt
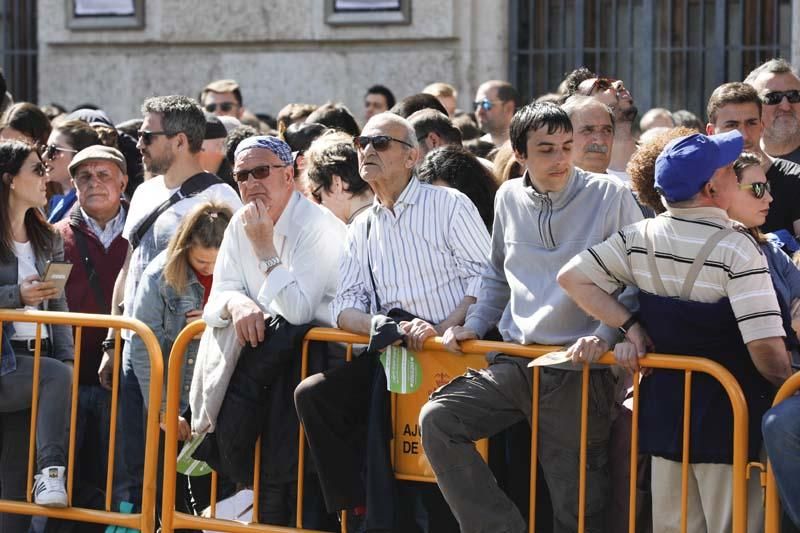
column 541, row 220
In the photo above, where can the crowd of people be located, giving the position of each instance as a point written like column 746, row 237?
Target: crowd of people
column 563, row 221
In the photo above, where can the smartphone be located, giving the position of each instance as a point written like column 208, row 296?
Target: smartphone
column 58, row 273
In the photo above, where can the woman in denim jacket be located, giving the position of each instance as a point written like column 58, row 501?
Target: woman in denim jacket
column 172, row 292
column 27, row 243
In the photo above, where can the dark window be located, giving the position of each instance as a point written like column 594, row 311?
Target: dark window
column 18, row 54
column 670, row 53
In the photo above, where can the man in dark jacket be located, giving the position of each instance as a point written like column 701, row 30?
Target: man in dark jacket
column 94, row 245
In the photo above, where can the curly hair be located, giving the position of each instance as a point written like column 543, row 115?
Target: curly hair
column 642, row 167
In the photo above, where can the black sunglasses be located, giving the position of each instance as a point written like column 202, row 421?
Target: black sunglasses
column 147, row 136
column 225, row 107
column 379, row 142
column 51, row 151
column 776, row 97
column 259, row 173
column 758, row 188
column 315, row 194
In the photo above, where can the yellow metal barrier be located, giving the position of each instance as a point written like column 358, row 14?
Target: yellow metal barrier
column 145, row 520
column 772, row 513
column 689, row 365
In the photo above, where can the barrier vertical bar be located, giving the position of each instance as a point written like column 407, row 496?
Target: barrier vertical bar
column 112, row 430
column 582, row 457
column 687, row 396
column 213, row 503
column 534, row 450
column 73, row 417
column 257, row 479
column 301, row 448
column 37, row 353
column 634, row 472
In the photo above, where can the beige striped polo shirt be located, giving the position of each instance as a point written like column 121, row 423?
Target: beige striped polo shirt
column 736, row 268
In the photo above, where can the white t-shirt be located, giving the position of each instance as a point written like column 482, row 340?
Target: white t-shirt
column 147, row 197
column 26, row 266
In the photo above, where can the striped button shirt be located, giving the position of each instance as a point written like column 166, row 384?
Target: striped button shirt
column 736, row 267
column 425, row 256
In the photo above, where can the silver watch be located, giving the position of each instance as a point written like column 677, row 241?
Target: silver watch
column 265, row 265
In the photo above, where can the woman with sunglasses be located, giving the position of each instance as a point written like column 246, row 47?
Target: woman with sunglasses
column 66, row 140
column 27, row 244
column 173, row 291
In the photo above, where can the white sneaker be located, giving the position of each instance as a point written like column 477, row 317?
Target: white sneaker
column 48, row 487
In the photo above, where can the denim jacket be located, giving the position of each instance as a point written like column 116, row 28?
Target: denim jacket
column 164, row 310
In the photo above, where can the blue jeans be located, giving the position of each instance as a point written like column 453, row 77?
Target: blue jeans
column 781, row 428
column 94, row 422
column 129, row 462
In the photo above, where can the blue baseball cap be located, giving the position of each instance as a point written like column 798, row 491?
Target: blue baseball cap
column 687, row 163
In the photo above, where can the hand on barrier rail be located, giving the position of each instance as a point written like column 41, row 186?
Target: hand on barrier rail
column 587, row 349
column 417, row 332
column 635, row 346
column 453, row 335
column 33, row 291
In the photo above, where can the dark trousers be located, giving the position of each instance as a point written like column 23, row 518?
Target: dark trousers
column 333, row 407
column 14, row 435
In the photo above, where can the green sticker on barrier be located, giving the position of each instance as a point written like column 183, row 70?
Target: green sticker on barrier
column 189, row 466
column 403, row 373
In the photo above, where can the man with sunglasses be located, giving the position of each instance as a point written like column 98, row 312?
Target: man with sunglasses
column 705, row 288
column 778, row 86
column 279, row 257
column 170, row 140
column 417, row 252
column 737, row 106
column 496, row 102
column 222, row 98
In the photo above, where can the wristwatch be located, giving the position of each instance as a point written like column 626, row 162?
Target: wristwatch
column 629, row 324
column 266, row 265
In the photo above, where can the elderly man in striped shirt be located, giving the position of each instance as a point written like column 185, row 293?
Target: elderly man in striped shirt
column 705, row 290
column 419, row 249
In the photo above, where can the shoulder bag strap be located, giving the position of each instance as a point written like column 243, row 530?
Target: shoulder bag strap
column 191, row 187
column 370, row 216
column 700, row 259
column 94, row 279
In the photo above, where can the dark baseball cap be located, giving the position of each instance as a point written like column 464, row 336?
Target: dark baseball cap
column 687, row 163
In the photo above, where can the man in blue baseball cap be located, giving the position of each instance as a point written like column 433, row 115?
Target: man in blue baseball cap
column 704, row 290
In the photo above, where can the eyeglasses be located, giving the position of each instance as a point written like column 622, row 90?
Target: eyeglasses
column 315, row 194
column 486, row 104
column 758, row 188
column 147, row 136
column 52, row 151
column 776, row 97
column 225, row 107
column 259, row 173
column 379, row 142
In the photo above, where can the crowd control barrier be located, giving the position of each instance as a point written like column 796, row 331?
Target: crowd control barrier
column 144, row 520
column 772, row 513
column 408, row 455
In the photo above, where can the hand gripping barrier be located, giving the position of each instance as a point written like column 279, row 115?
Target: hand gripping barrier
column 418, row 469
column 145, row 520
column 772, row 513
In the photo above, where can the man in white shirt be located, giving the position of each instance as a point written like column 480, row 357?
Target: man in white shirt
column 419, row 249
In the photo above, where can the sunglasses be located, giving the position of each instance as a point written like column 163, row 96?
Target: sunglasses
column 259, row 173
column 379, row 142
column 147, row 136
column 486, row 104
column 225, row 107
column 759, row 188
column 315, row 194
column 776, row 97
column 53, row 151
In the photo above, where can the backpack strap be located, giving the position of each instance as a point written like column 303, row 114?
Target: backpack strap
column 191, row 187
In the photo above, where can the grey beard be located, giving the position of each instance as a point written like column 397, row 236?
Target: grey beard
column 784, row 133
